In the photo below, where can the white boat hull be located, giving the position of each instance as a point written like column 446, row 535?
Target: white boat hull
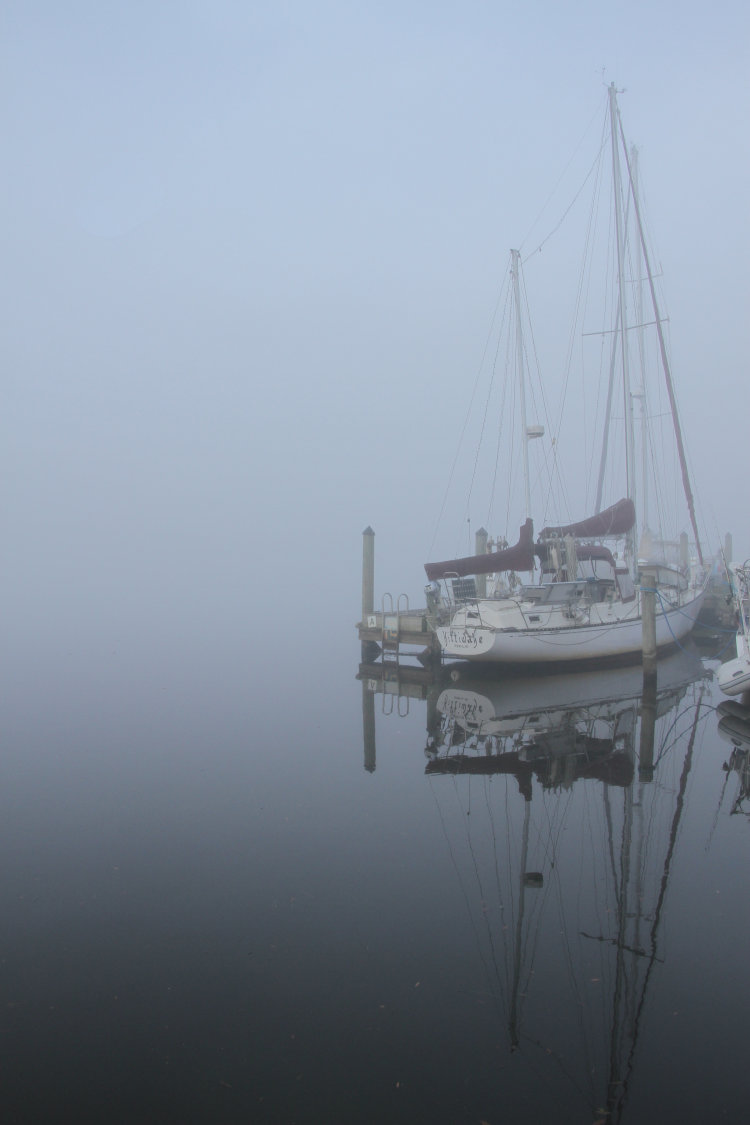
column 619, row 636
column 734, row 677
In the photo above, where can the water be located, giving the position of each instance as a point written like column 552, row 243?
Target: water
column 213, row 912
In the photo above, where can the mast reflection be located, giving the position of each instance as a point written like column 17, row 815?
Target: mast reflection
column 560, row 798
column 580, row 871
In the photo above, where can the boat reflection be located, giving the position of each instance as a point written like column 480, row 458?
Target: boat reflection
column 562, row 804
column 734, row 728
column 561, row 727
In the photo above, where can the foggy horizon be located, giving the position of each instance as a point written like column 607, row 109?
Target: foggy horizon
column 253, row 257
column 238, row 238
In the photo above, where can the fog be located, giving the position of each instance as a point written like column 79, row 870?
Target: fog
column 251, row 258
column 251, row 255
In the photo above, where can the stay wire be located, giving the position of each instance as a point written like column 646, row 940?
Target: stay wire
column 467, row 416
column 560, row 178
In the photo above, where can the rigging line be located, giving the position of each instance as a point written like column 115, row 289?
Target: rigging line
column 621, row 991
column 718, row 809
column 611, row 840
column 508, row 852
column 466, row 419
column 549, row 1053
column 640, row 859
column 667, row 746
column 584, row 280
column 487, row 400
column 545, row 410
column 729, row 643
column 686, row 767
column 549, row 846
column 596, row 114
column 618, row 339
column 491, row 818
column 587, row 283
column 503, row 397
column 464, row 893
column 512, row 452
column 514, row 1016
column 663, row 351
column 482, row 896
column 536, row 911
column 575, row 988
column 502, row 331
column 479, row 444
column 539, row 912
column 602, row 909
column 593, row 850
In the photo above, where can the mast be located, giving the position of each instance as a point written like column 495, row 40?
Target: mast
column 513, row 1026
column 628, row 402
column 607, row 414
column 514, row 266
column 662, row 345
column 642, row 364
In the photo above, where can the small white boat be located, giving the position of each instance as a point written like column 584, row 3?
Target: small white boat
column 734, row 676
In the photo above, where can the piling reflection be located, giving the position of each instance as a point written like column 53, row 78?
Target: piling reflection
column 560, row 798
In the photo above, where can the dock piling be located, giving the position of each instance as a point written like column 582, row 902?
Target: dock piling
column 648, row 727
column 368, row 572
column 648, row 621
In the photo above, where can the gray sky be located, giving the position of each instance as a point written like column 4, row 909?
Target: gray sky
column 251, row 253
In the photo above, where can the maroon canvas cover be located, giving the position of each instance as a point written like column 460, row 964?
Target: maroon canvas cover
column 616, row 520
column 519, row 557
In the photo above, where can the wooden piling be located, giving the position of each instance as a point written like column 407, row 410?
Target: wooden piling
column 368, row 726
column 648, row 727
column 368, row 573
column 728, row 548
column 648, row 622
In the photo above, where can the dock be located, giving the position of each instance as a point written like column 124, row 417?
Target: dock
column 395, row 626
column 391, row 630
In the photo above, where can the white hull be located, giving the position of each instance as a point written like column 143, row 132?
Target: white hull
column 734, row 677
column 617, row 633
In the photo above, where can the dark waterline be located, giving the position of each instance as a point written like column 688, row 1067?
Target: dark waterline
column 212, row 911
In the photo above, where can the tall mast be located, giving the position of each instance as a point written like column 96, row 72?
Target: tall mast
column 664, row 358
column 628, row 402
column 607, row 413
column 642, row 364
column 610, row 391
column 514, row 259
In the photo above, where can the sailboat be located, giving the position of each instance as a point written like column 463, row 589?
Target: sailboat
column 592, row 579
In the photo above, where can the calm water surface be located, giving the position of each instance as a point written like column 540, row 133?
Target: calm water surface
column 240, row 887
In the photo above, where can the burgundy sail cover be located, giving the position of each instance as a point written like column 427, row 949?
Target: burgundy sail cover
column 616, row 520
column 520, row 557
